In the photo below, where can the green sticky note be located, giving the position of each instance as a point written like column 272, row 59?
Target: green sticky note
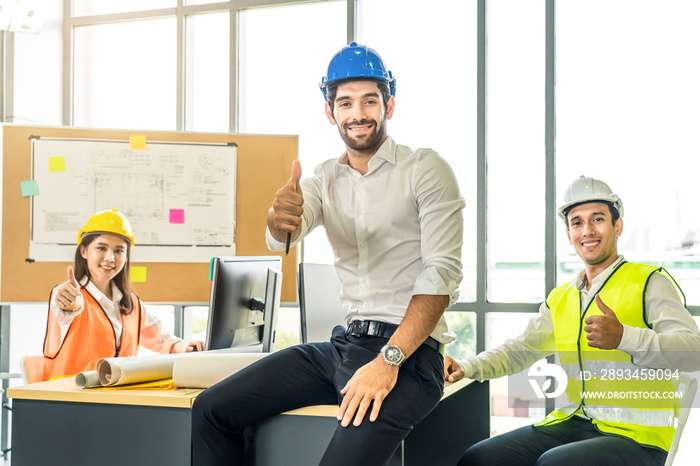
column 57, row 164
column 138, row 274
column 211, row 268
column 29, row 188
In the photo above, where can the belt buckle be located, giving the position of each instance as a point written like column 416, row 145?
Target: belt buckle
column 356, row 328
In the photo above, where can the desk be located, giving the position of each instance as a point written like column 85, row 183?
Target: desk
column 57, row 423
column 461, row 419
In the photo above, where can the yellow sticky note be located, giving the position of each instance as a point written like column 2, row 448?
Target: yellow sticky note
column 138, row 274
column 57, row 164
column 137, row 141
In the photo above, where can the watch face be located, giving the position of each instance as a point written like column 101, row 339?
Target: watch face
column 393, row 354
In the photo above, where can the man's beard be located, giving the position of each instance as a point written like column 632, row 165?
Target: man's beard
column 370, row 142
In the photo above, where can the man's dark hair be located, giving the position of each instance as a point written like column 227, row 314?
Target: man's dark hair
column 333, row 90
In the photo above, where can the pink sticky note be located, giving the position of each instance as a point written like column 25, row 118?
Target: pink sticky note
column 177, row 215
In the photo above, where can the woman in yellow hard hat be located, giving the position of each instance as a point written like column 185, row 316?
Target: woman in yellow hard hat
column 94, row 314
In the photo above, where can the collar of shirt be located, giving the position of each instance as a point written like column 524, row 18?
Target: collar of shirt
column 105, row 302
column 596, row 284
column 385, row 153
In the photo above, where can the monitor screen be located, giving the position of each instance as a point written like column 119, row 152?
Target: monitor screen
column 245, row 297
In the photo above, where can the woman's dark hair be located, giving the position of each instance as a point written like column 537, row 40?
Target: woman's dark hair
column 333, row 91
column 121, row 280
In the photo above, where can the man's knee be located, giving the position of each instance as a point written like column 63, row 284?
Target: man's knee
column 479, row 453
column 552, row 458
column 202, row 407
column 207, row 411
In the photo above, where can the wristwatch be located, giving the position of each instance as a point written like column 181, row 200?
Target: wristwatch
column 393, row 355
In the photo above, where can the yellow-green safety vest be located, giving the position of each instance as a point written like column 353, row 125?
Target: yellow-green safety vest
column 618, row 395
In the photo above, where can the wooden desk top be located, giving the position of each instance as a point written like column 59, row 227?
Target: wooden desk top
column 66, row 390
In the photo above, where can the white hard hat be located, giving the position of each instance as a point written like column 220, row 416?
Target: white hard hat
column 588, row 190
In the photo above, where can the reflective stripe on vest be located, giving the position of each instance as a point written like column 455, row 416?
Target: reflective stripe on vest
column 629, row 414
column 89, row 338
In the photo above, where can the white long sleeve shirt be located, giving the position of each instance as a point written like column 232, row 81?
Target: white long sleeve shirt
column 672, row 342
column 152, row 336
column 396, row 231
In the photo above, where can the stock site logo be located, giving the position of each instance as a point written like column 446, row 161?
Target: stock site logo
column 543, row 369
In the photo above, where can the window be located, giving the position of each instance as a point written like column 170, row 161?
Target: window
column 464, row 325
column 125, row 75
column 97, row 7
column 627, row 100
column 279, row 78
column 32, row 81
column 515, row 151
column 509, row 412
column 436, row 100
column 207, row 77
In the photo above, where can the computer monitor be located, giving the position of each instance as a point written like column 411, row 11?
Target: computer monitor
column 244, row 303
column 319, row 301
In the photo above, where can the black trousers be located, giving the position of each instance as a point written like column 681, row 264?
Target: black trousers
column 575, row 441
column 313, row 374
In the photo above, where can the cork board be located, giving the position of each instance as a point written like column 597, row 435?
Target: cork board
column 263, row 167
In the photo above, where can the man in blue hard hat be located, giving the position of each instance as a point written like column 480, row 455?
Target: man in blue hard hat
column 394, row 219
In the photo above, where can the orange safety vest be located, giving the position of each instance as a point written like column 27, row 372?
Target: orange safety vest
column 89, row 338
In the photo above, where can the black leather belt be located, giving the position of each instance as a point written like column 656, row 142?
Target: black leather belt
column 374, row 328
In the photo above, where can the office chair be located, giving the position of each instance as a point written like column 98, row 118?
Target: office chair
column 319, row 301
column 681, row 411
column 31, row 368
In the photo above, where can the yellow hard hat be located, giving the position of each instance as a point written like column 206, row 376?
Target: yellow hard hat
column 108, row 221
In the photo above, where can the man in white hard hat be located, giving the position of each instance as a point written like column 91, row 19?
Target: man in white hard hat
column 621, row 333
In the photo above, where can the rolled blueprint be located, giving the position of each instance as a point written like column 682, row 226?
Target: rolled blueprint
column 202, row 370
column 137, row 369
column 87, row 379
column 133, row 369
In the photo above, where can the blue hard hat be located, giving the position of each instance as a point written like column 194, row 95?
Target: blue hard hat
column 357, row 62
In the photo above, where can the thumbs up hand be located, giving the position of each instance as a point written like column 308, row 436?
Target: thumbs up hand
column 604, row 332
column 68, row 293
column 285, row 214
column 293, row 182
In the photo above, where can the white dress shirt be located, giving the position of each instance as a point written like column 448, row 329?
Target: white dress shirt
column 672, row 342
column 152, row 336
column 396, row 231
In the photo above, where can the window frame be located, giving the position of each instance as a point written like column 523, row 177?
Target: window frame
column 481, row 306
